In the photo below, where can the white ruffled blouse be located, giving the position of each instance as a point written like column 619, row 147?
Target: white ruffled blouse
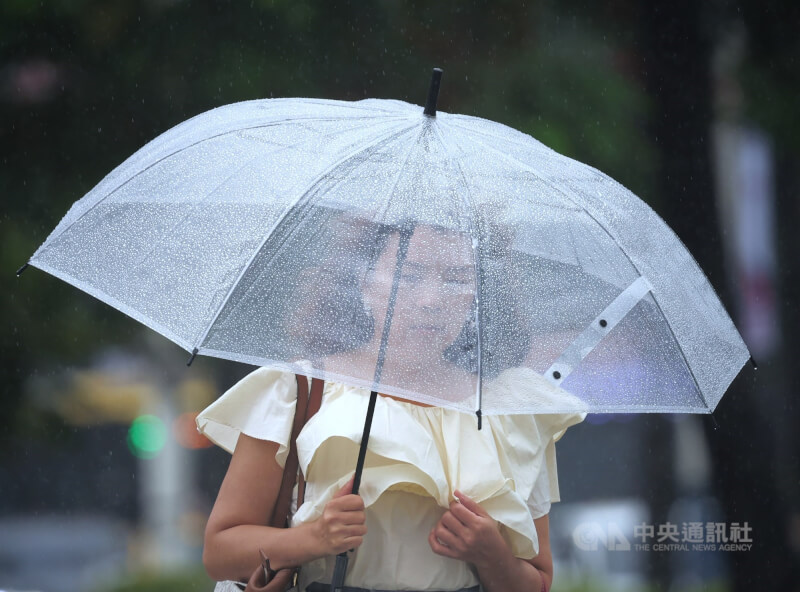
column 417, row 457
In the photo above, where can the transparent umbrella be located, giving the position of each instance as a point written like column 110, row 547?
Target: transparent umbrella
column 252, row 232
column 411, row 252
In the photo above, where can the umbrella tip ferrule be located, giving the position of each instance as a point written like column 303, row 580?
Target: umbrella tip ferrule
column 479, row 413
column 433, row 92
column 21, row 269
column 752, row 361
column 192, row 357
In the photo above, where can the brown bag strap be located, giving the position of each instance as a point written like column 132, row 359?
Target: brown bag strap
column 314, row 403
column 306, row 407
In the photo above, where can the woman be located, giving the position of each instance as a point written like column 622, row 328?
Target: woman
column 442, row 506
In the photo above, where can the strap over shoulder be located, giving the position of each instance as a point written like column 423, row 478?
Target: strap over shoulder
column 307, row 405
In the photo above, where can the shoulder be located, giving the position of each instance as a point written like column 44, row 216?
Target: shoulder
column 264, row 386
column 261, row 405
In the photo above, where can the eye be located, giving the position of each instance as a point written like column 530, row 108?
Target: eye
column 458, row 277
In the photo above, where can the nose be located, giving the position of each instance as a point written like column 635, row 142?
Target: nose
column 429, row 296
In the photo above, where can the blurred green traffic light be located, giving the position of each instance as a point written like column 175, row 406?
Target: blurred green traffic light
column 146, row 436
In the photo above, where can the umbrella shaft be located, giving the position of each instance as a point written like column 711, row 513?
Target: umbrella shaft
column 342, row 559
column 362, row 451
column 402, row 250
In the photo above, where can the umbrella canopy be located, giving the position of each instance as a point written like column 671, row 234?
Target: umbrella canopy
column 279, row 230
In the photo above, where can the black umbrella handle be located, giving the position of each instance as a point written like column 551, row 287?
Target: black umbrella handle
column 339, row 571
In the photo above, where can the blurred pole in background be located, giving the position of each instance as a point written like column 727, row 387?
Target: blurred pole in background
column 165, row 488
column 743, row 166
column 695, row 507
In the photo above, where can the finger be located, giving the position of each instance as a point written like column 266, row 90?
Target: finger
column 467, row 517
column 346, row 489
column 354, row 518
column 453, row 524
column 470, row 504
column 341, row 538
column 349, row 543
column 343, row 529
column 446, row 538
column 354, row 530
column 347, row 503
column 440, row 549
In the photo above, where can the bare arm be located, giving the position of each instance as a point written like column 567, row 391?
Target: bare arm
column 511, row 573
column 467, row 532
column 245, row 502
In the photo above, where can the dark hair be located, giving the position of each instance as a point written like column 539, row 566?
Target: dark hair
column 341, row 320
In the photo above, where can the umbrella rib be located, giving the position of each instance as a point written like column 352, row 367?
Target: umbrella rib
column 399, row 174
column 476, row 258
column 52, row 240
column 683, row 353
column 608, row 232
column 197, row 203
column 535, row 144
column 177, row 223
column 382, row 138
column 541, row 148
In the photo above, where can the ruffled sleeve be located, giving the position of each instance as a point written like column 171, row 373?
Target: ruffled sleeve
column 545, row 491
column 261, row 405
column 545, row 488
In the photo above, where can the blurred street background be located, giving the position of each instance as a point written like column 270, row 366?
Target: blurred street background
column 105, row 484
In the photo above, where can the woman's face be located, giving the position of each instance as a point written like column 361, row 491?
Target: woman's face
column 434, row 298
